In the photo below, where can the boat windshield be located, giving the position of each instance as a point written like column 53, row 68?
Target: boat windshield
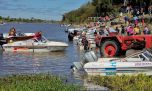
column 42, row 39
column 142, row 57
column 146, row 56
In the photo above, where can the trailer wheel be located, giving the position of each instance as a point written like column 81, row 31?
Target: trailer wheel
column 110, row 48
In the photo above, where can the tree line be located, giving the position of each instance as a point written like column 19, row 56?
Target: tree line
column 26, row 20
column 97, row 8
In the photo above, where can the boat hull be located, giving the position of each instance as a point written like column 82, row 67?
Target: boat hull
column 29, row 42
column 118, row 68
column 31, row 46
column 34, row 49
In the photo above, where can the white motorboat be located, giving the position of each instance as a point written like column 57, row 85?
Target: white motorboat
column 140, row 62
column 27, row 42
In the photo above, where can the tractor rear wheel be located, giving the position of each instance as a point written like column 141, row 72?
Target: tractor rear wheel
column 110, row 48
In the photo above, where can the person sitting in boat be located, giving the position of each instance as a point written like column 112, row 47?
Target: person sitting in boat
column 12, row 32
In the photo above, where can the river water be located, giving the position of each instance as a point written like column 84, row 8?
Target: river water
column 57, row 63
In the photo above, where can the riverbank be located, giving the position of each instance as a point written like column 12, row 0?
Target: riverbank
column 39, row 82
column 25, row 20
column 139, row 82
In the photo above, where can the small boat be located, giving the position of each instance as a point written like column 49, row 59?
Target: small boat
column 137, row 63
column 28, row 42
column 2, row 23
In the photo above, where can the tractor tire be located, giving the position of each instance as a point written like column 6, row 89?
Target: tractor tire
column 110, row 48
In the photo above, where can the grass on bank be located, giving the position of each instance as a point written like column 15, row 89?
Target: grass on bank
column 139, row 82
column 36, row 83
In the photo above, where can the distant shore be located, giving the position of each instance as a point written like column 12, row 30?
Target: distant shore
column 25, row 20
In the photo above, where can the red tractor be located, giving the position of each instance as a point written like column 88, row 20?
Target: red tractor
column 115, row 45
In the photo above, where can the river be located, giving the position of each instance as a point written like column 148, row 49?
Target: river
column 56, row 63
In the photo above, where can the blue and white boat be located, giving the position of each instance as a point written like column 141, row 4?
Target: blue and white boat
column 140, row 62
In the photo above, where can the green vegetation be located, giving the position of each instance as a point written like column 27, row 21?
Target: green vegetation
column 125, row 82
column 31, row 20
column 97, row 8
column 38, row 82
column 80, row 14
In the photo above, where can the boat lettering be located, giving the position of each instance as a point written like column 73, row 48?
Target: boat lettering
column 143, row 64
column 110, row 73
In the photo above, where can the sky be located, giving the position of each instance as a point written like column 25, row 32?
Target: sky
column 41, row 9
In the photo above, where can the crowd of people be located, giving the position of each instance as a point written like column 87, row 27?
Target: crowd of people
column 126, row 28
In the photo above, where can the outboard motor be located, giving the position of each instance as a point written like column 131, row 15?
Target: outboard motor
column 2, row 40
column 88, row 57
column 70, row 36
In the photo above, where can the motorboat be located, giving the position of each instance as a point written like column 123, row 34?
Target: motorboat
column 28, row 42
column 140, row 62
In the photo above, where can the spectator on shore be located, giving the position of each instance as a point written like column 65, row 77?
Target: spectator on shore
column 97, row 40
column 146, row 30
column 117, row 29
column 135, row 20
column 143, row 21
column 121, row 14
column 142, row 11
column 101, row 31
column 126, row 19
column 137, row 13
column 128, row 9
column 136, row 30
column 107, row 18
column 130, row 30
column 150, row 10
column 122, row 30
column 85, row 43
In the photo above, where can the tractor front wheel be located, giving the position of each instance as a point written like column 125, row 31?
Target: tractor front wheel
column 110, row 48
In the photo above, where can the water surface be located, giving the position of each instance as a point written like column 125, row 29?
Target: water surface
column 57, row 63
